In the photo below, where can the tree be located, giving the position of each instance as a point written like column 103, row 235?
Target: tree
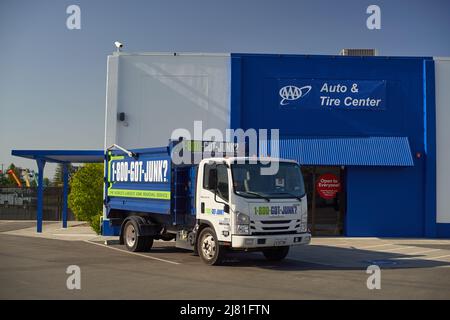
column 86, row 194
column 4, row 181
column 46, row 182
column 33, row 184
column 58, row 177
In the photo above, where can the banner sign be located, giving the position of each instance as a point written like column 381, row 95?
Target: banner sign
column 332, row 94
column 146, row 177
column 130, row 170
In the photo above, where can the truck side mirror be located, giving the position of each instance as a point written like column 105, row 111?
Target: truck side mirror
column 212, row 179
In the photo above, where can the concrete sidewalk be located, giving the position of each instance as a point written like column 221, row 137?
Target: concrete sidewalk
column 75, row 231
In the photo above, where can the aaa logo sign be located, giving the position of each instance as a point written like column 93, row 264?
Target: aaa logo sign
column 328, row 185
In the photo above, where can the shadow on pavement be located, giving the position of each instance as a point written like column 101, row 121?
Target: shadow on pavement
column 319, row 257
column 312, row 257
column 6, row 226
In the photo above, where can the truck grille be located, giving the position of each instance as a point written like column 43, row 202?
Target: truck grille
column 272, row 233
column 275, row 221
column 273, row 226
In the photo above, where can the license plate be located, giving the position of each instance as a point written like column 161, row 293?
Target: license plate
column 280, row 242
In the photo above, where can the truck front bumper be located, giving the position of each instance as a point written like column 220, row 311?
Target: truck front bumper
column 270, row 241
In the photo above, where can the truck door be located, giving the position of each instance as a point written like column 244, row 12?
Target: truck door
column 213, row 203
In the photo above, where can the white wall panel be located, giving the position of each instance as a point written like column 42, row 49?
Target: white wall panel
column 163, row 92
column 442, row 67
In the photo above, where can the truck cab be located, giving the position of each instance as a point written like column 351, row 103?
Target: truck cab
column 241, row 208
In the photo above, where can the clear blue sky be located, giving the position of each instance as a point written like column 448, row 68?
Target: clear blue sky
column 52, row 80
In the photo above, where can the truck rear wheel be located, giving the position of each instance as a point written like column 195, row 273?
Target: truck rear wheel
column 133, row 241
column 208, row 247
column 276, row 253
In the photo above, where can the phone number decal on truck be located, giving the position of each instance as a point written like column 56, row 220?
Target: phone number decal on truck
column 275, row 210
column 139, row 171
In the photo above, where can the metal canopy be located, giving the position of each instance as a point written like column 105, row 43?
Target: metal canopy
column 61, row 156
column 57, row 156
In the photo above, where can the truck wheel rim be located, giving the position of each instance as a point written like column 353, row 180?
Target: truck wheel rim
column 208, row 246
column 130, row 235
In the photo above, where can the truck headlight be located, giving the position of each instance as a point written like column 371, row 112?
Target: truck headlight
column 242, row 223
column 303, row 227
column 242, row 218
column 304, row 217
column 242, row 229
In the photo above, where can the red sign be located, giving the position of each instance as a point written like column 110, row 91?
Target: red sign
column 328, row 185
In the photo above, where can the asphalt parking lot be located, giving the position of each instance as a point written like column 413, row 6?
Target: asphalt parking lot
column 330, row 268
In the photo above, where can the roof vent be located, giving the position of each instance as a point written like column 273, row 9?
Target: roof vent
column 358, row 52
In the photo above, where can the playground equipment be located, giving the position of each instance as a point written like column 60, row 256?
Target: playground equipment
column 26, row 177
column 14, row 176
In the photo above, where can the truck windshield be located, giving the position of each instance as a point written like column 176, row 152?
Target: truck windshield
column 286, row 183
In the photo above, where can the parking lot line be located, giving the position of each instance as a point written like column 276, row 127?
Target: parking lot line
column 133, row 253
column 437, row 258
column 375, row 246
column 72, row 235
column 424, row 251
column 395, row 249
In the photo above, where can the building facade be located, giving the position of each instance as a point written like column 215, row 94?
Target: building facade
column 364, row 129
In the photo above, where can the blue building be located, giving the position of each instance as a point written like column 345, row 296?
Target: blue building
column 381, row 150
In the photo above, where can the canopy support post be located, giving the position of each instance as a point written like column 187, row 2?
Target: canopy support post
column 65, row 173
column 40, row 194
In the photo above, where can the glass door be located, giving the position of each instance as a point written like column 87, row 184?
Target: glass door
column 325, row 188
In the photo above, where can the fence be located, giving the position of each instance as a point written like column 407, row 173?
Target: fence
column 21, row 203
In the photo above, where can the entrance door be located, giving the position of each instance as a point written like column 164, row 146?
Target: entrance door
column 325, row 189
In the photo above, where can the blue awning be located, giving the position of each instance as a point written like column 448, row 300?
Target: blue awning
column 354, row 151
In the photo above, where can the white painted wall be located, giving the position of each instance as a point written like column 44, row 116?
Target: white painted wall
column 111, row 101
column 442, row 69
column 162, row 92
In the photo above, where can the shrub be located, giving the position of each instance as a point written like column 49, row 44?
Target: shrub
column 86, row 194
column 95, row 222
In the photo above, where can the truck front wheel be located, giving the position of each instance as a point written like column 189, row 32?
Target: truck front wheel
column 208, row 247
column 276, row 253
column 133, row 241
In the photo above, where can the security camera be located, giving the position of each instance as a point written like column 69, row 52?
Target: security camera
column 118, row 45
